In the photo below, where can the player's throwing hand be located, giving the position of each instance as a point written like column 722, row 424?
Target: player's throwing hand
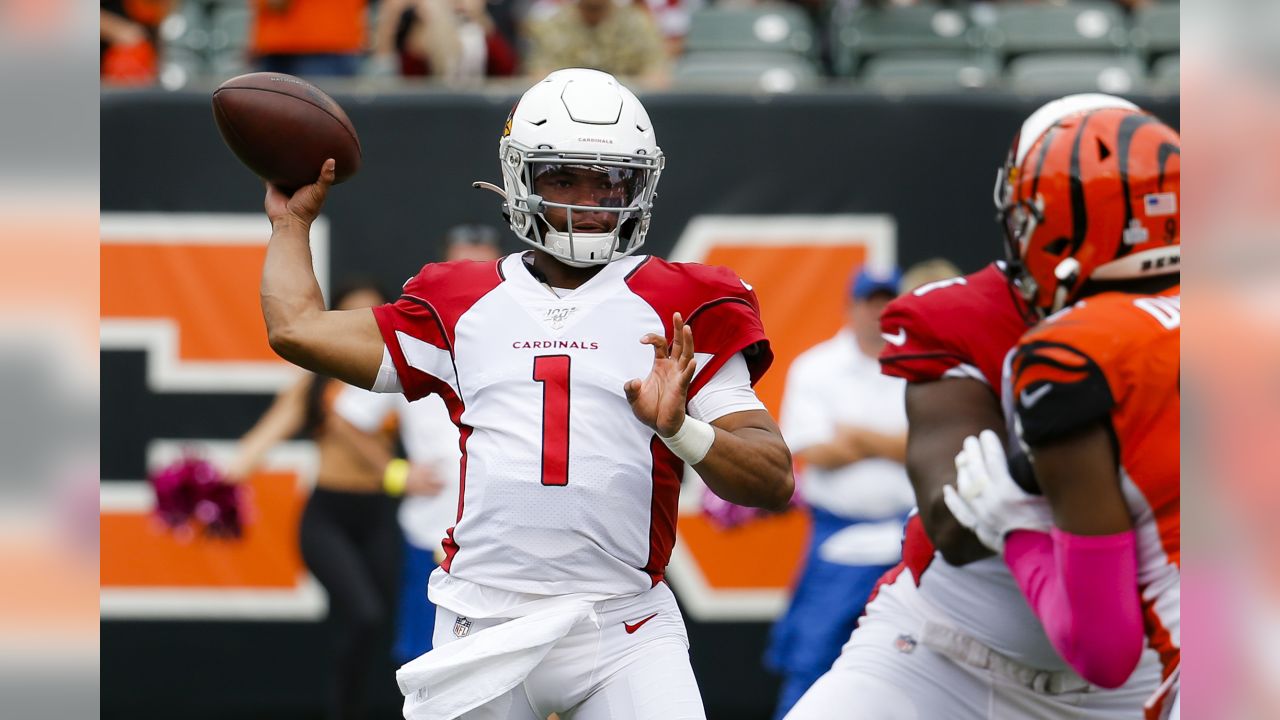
column 304, row 206
column 659, row 399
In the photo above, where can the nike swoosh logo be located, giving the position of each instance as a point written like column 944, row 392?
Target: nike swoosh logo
column 632, row 627
column 1033, row 397
column 899, row 339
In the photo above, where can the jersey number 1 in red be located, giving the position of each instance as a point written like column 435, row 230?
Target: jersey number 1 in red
column 553, row 372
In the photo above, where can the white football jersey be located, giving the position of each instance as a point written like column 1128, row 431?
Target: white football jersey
column 563, row 489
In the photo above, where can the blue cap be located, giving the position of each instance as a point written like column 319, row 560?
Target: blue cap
column 869, row 281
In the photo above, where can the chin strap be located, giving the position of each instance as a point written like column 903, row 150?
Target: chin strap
column 1067, row 273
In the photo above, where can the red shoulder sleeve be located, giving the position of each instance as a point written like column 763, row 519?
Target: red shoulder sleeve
column 721, row 309
column 418, row 328
column 959, row 327
column 912, row 350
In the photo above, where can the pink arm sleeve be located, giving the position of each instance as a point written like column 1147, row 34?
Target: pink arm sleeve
column 1084, row 589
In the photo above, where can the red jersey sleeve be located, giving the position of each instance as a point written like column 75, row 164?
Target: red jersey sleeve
column 418, row 328
column 959, row 327
column 721, row 309
column 913, row 351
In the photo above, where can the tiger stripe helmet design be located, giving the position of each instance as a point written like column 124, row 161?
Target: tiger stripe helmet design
column 1094, row 198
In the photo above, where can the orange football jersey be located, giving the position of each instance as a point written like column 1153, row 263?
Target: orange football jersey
column 1114, row 357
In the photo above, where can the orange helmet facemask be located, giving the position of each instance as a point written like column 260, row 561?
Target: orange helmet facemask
column 1095, row 198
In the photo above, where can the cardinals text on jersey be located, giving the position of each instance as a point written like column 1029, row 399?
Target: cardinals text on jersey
column 563, row 489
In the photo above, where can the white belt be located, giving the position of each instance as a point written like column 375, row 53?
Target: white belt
column 969, row 651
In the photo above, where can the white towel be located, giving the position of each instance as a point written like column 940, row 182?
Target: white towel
column 465, row 674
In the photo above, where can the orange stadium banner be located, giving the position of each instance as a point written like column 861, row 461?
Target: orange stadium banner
column 180, row 287
column 799, row 267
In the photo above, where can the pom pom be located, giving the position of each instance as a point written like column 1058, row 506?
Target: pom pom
column 193, row 497
column 725, row 514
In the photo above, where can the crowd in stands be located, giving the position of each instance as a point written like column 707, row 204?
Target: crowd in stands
column 770, row 44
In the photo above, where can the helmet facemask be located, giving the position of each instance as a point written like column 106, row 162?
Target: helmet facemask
column 602, row 200
column 580, row 168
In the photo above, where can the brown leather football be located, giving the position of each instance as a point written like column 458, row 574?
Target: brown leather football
column 284, row 128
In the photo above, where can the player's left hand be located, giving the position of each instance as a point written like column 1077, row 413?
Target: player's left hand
column 659, row 399
column 987, row 500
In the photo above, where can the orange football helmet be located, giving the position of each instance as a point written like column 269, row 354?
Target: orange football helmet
column 1094, row 198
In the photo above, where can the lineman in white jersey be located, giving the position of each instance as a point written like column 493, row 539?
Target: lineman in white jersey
column 573, row 434
column 949, row 634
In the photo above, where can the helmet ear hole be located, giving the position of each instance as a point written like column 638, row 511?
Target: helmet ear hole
column 1057, row 247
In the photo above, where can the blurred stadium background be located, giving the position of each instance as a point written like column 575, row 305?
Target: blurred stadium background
column 802, row 140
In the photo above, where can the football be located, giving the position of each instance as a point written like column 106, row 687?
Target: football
column 284, row 128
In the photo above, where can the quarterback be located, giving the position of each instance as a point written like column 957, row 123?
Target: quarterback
column 583, row 378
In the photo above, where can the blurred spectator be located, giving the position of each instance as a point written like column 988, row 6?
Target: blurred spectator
column 431, row 443
column 449, row 39
column 348, row 534
column 309, row 37
column 127, row 31
column 616, row 37
column 672, row 18
column 848, row 424
column 928, row 271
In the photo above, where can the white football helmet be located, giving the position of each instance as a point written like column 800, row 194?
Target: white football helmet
column 580, row 126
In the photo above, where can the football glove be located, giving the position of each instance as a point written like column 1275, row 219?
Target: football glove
column 986, row 499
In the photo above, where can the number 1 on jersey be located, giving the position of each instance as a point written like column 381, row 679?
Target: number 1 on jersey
column 553, row 372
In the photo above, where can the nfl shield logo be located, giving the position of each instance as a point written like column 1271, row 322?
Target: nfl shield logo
column 461, row 627
column 905, row 643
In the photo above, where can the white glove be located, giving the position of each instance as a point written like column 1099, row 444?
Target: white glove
column 988, row 501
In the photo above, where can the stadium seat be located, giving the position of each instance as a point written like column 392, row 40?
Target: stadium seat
column 229, row 39
column 1058, row 73
column 762, row 72
column 1017, row 28
column 1166, row 75
column 186, row 28
column 1155, row 29
column 767, row 28
column 180, row 66
column 905, row 74
column 893, row 29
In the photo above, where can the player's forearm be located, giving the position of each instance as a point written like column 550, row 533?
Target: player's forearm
column 749, row 466
column 1083, row 588
column 930, row 461
column 290, row 292
column 957, row 543
column 940, row 416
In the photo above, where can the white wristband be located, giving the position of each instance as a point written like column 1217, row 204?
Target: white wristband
column 692, row 441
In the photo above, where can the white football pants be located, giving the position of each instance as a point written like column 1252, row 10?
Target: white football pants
column 893, row 668
column 604, row 672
